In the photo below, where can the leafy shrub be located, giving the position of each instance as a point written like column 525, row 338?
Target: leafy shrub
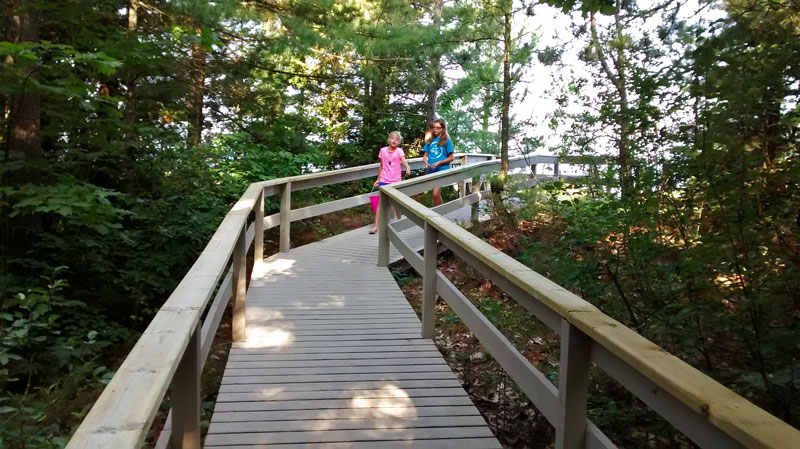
column 50, row 362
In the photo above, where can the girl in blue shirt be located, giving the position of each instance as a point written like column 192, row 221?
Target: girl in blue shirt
column 438, row 153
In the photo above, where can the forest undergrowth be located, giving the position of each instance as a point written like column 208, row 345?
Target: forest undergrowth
column 706, row 331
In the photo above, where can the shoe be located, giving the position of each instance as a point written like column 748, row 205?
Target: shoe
column 373, row 230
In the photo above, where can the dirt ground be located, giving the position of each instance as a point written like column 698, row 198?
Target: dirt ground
column 511, row 416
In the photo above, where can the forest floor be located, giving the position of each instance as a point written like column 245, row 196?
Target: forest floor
column 510, row 414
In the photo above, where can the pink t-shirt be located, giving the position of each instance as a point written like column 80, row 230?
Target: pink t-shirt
column 392, row 164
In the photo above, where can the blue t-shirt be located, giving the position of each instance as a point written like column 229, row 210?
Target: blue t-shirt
column 437, row 153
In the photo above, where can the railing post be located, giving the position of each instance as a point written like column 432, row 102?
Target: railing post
column 186, row 397
column 258, row 236
column 383, row 229
column 573, row 386
column 462, row 185
column 476, row 188
column 429, row 281
column 239, row 285
column 286, row 210
column 556, row 171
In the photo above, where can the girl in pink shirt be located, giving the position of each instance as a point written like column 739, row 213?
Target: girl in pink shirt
column 392, row 158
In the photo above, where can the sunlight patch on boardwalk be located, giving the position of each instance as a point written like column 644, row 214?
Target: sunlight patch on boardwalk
column 334, row 358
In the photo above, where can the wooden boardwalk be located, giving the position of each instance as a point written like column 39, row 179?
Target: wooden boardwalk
column 334, row 359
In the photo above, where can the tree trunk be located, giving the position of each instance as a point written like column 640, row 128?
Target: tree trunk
column 626, row 180
column 772, row 99
column 376, row 94
column 486, row 114
column 505, row 121
column 24, row 108
column 133, row 15
column 435, row 71
column 367, row 118
column 378, row 102
column 618, row 80
column 430, row 104
column 194, row 98
column 22, row 124
column 130, row 85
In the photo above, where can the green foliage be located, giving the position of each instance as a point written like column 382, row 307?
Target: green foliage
column 49, row 353
column 246, row 161
column 642, row 263
column 70, row 203
column 701, row 256
column 585, row 6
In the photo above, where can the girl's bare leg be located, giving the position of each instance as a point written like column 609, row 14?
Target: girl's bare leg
column 437, row 196
column 375, row 228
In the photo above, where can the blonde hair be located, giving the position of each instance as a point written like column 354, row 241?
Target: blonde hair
column 394, row 133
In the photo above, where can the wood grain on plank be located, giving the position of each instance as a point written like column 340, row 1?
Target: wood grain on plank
column 334, row 357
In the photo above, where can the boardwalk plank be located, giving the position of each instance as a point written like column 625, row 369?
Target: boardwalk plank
column 364, row 347
column 388, row 392
column 383, row 404
column 461, row 443
column 347, row 333
column 335, row 436
column 334, row 359
column 386, row 377
column 352, row 313
column 346, row 424
column 333, row 414
column 321, row 338
column 333, row 325
column 337, row 370
column 411, row 341
column 346, row 385
column 333, row 356
column 394, row 361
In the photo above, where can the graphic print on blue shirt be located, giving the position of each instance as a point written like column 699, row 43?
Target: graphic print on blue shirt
column 437, row 153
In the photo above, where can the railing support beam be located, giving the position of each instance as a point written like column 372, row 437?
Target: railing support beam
column 186, row 397
column 286, row 209
column 573, row 387
column 383, row 229
column 429, row 282
column 239, row 285
column 258, row 237
column 462, row 185
column 476, row 188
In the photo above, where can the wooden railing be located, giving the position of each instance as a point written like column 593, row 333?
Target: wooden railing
column 171, row 352
column 708, row 413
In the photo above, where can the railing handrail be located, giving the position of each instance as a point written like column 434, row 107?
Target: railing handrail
column 122, row 415
column 736, row 417
column 319, row 176
column 146, row 373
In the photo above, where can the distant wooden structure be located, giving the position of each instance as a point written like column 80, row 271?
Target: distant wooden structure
column 171, row 352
